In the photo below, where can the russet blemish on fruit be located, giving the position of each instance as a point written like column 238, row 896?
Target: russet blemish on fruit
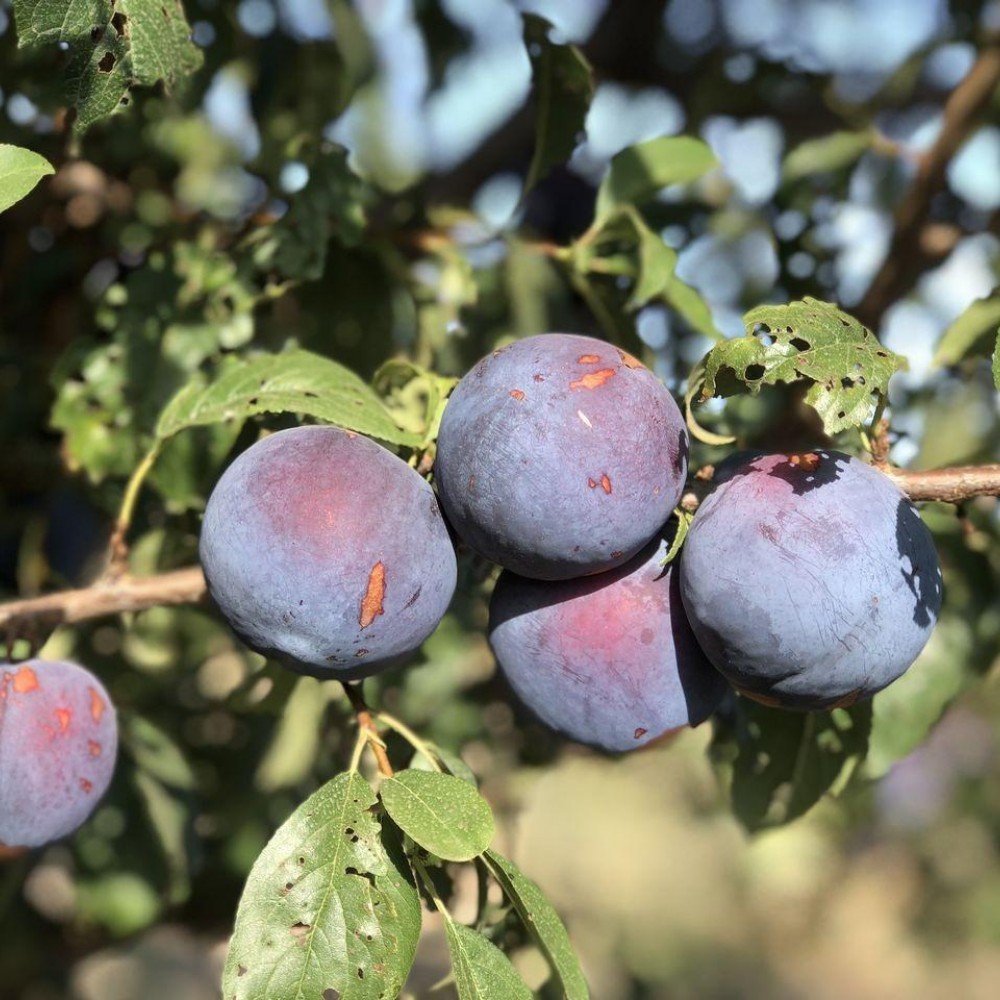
column 371, row 603
column 593, row 380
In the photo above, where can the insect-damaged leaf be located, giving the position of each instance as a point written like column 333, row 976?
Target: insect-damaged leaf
column 329, row 908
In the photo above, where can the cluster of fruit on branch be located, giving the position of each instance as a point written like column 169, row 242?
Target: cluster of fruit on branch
column 805, row 581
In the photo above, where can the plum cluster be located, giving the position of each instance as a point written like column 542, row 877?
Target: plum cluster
column 58, row 744
column 805, row 581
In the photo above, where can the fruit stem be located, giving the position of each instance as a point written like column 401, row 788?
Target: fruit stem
column 366, row 725
column 118, row 548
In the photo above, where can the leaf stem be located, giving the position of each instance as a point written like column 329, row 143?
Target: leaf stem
column 421, row 746
column 118, row 549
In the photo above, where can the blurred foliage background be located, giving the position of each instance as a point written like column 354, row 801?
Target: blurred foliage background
column 347, row 177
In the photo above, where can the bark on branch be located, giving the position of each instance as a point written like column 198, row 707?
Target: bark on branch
column 909, row 255
column 35, row 615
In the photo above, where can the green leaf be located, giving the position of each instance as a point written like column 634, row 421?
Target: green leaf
column 656, row 280
column 684, row 519
column 542, row 923
column 482, row 971
column 443, row 814
column 331, row 204
column 329, row 908
column 996, row 362
column 113, row 46
column 786, row 761
column 155, row 753
column 695, row 387
column 825, row 154
column 638, row 173
column 969, row 330
column 20, row 170
column 290, row 382
column 808, row 340
column 564, row 87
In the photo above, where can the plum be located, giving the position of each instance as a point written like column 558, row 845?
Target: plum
column 810, row 580
column 608, row 660
column 560, row 456
column 58, row 745
column 326, row 551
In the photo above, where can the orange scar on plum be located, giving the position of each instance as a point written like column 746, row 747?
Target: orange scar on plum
column 587, row 359
column 25, row 680
column 64, row 717
column 629, row 361
column 593, row 380
column 517, row 393
column 97, row 706
column 371, row 603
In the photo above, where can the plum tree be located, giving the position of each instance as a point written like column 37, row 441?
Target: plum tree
column 559, row 456
column 58, row 745
column 810, row 580
column 326, row 551
column 609, row 660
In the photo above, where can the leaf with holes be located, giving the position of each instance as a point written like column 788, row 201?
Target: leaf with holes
column 785, row 762
column 812, row 341
column 441, row 813
column 20, row 170
column 482, row 971
column 563, row 88
column 542, row 923
column 112, row 46
column 640, row 172
column 291, row 382
column 329, row 908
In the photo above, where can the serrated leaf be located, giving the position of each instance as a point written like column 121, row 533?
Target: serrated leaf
column 563, row 87
column 638, row 173
column 112, row 45
column 290, row 382
column 786, row 761
column 542, row 923
column 328, row 908
column 809, row 340
column 973, row 326
column 20, row 170
column 482, row 971
column 827, row 153
column 443, row 814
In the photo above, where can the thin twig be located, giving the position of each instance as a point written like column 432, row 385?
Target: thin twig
column 908, row 255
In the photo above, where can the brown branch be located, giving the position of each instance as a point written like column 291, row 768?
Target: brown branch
column 948, row 485
column 106, row 597
column 187, row 586
column 909, row 255
column 367, row 725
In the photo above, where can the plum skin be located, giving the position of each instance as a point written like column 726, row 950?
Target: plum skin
column 325, row 551
column 810, row 581
column 560, row 456
column 608, row 660
column 58, row 746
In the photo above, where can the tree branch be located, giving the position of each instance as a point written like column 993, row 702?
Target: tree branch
column 909, row 255
column 33, row 615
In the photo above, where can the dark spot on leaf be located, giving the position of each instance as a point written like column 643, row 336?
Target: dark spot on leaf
column 881, row 354
column 799, row 344
column 96, row 33
column 361, row 973
column 331, row 994
column 107, row 63
column 753, row 373
column 302, row 861
column 119, row 20
column 311, row 395
column 846, row 382
column 299, row 931
column 241, row 970
column 252, row 401
column 365, row 875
